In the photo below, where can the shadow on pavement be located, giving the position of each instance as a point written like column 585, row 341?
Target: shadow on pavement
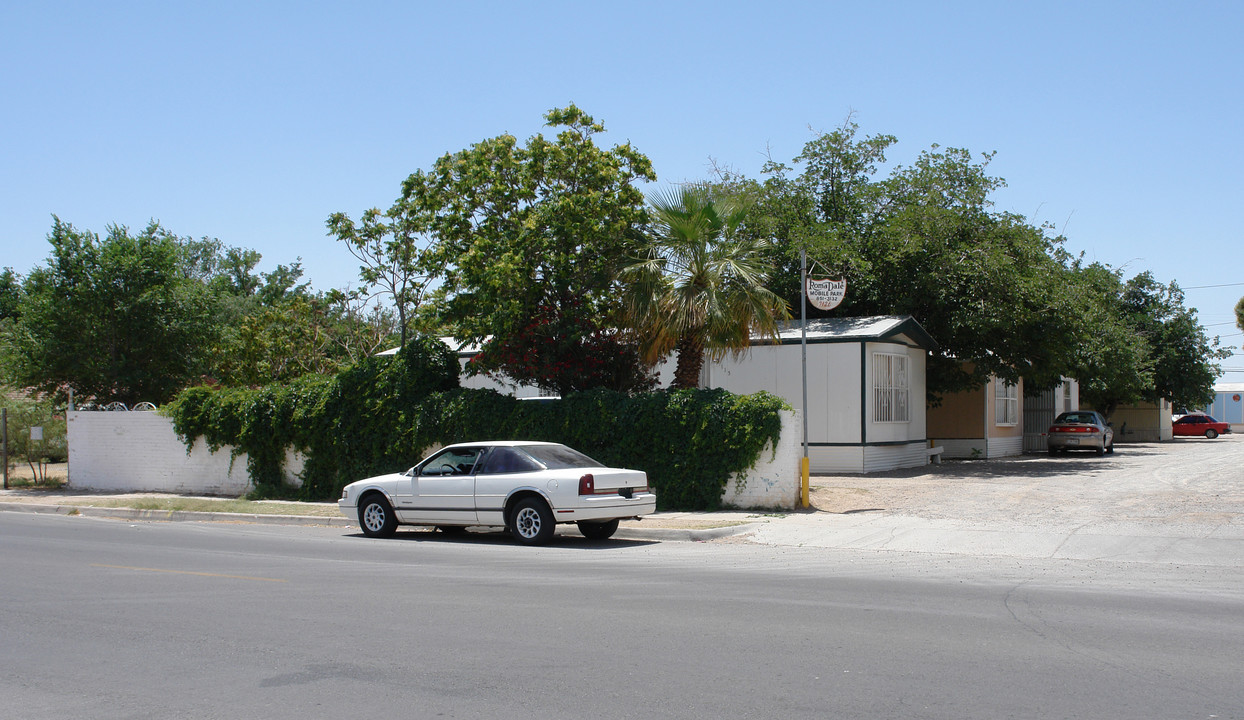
column 569, row 541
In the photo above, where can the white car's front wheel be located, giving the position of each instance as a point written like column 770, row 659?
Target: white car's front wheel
column 532, row 523
column 376, row 517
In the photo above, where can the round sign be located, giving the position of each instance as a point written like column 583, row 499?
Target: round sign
column 1235, row 398
column 826, row 294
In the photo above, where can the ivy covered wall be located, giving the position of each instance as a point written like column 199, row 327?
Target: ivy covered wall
column 380, row 416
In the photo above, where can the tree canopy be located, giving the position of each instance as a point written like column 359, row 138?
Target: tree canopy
column 999, row 293
column 534, row 231
column 111, row 317
column 545, row 255
column 389, row 246
column 700, row 287
column 137, row 316
column 1155, row 349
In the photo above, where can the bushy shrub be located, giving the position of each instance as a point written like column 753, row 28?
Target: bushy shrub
column 25, row 413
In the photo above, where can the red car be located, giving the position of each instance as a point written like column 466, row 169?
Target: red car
column 1198, row 424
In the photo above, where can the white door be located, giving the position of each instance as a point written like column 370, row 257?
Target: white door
column 442, row 489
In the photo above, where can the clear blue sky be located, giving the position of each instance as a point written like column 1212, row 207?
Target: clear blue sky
column 1118, row 122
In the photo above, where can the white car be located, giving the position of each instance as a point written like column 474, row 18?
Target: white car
column 525, row 487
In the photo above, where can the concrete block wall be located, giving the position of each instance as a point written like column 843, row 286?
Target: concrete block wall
column 774, row 482
column 140, row 452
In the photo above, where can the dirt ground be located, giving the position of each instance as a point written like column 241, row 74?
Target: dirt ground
column 23, row 472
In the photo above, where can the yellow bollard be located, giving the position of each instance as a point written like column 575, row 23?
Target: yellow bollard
column 804, row 473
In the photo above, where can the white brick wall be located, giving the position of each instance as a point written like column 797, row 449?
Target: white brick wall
column 774, row 482
column 140, row 452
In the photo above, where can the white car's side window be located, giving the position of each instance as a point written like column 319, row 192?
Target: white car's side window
column 507, row 460
column 451, row 462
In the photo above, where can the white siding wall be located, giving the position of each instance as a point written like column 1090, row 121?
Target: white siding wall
column 140, row 452
column 834, row 401
column 981, row 448
column 915, row 429
column 1005, row 447
column 833, row 384
column 970, row 448
column 867, row 458
column 484, row 382
column 878, row 458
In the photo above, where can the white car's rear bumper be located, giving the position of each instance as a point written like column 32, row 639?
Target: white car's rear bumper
column 608, row 507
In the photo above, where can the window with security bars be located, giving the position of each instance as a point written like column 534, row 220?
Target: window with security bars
column 891, row 389
column 1005, row 403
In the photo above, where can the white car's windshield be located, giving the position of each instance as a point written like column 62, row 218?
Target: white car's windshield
column 559, row 457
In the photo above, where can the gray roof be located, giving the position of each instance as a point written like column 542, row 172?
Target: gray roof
column 875, row 328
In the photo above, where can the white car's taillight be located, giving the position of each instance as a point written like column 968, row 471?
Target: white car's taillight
column 587, row 485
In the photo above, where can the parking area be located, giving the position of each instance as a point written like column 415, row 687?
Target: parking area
column 1187, row 481
column 1172, row 504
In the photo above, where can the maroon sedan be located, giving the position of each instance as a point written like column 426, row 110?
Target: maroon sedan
column 1198, row 424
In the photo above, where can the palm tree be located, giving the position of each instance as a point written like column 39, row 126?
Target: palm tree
column 700, row 288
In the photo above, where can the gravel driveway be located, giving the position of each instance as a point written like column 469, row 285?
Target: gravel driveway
column 1185, row 482
column 1172, row 504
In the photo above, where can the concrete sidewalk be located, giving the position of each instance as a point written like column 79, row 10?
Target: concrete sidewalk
column 1220, row 544
column 1217, row 545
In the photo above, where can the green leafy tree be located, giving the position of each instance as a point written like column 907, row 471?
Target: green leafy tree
column 1138, row 343
column 301, row 335
column 537, row 230
column 10, row 311
column 1111, row 361
column 923, row 241
column 1185, row 359
column 112, row 318
column 1239, row 314
column 390, row 246
column 25, row 414
column 271, row 326
column 700, row 288
column 10, row 295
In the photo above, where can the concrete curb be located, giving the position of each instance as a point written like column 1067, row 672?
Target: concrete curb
column 625, row 533
column 683, row 534
column 174, row 515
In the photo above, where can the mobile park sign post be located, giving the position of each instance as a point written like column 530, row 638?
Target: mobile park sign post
column 824, row 295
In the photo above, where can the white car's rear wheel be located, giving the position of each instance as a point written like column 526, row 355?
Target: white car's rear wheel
column 598, row 530
column 532, row 523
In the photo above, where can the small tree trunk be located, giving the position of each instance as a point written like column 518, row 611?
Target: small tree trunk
column 690, row 362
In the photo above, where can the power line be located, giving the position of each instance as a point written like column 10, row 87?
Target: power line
column 1202, row 287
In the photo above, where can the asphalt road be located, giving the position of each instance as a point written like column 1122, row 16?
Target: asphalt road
column 109, row 619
